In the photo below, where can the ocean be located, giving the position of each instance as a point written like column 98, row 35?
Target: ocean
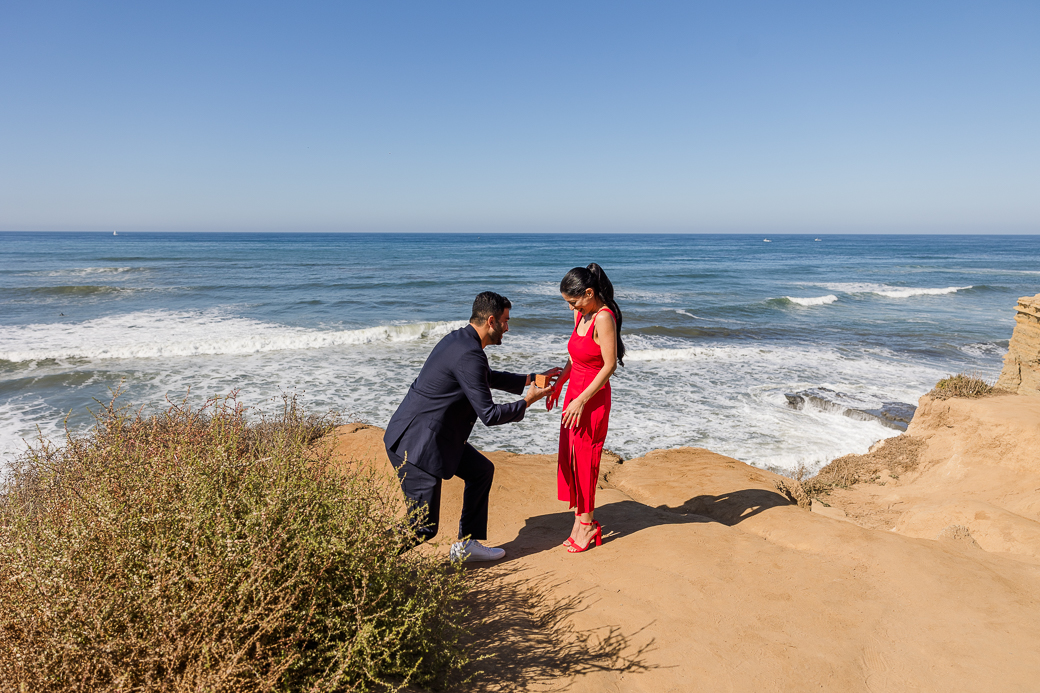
column 718, row 327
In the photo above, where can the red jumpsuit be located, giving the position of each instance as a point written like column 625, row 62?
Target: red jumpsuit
column 582, row 446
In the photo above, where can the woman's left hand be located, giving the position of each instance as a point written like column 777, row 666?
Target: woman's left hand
column 572, row 414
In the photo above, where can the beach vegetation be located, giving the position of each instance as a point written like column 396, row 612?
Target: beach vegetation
column 196, row 550
column 897, row 456
column 969, row 385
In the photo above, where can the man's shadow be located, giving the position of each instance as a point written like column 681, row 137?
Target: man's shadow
column 544, row 532
column 522, row 635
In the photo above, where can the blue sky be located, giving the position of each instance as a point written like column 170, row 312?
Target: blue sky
column 533, row 116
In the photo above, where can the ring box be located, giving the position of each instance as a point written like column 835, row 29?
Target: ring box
column 541, row 380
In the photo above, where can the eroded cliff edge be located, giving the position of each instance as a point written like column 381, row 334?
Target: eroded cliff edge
column 1021, row 374
column 709, row 578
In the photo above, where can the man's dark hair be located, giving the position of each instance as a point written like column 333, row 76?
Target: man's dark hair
column 487, row 304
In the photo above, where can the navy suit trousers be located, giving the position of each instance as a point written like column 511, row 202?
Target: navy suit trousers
column 424, row 491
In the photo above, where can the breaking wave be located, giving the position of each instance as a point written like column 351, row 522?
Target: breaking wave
column 154, row 334
column 812, row 301
column 892, row 291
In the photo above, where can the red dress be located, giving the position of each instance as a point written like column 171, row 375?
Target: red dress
column 582, row 446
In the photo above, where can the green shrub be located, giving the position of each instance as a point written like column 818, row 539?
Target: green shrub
column 961, row 385
column 193, row 551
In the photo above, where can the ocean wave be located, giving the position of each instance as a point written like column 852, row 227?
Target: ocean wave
column 907, row 293
column 155, row 334
column 812, row 301
column 985, row 349
column 25, row 418
column 729, row 354
column 889, row 291
column 642, row 296
column 541, row 289
column 622, row 295
column 71, row 290
column 88, row 271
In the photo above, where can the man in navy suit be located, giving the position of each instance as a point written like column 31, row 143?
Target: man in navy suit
column 426, row 436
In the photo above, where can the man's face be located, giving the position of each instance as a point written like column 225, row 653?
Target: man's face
column 499, row 326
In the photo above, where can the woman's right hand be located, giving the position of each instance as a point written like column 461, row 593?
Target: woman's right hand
column 554, row 396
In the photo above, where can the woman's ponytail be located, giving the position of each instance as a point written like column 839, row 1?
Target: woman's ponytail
column 575, row 282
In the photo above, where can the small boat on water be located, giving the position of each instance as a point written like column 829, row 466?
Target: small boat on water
column 115, row 233
column 766, row 240
column 816, row 239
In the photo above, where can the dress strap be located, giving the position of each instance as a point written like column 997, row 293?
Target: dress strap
column 592, row 327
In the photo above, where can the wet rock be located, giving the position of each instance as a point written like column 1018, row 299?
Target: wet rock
column 895, row 415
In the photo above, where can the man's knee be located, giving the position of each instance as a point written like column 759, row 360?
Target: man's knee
column 487, row 472
column 425, row 528
column 475, row 468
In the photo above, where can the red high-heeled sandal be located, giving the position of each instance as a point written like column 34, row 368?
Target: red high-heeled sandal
column 597, row 536
column 567, row 541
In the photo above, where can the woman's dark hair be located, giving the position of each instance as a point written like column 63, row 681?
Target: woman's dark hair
column 575, row 282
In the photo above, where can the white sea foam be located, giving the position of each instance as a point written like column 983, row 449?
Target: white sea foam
column 623, row 294
column 20, row 418
column 850, row 287
column 541, row 289
column 88, row 271
column 907, row 293
column 726, row 397
column 680, row 311
column 984, row 349
column 728, row 354
column 159, row 333
column 813, row 301
column 890, row 291
column 644, row 296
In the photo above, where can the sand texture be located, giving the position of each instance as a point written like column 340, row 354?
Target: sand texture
column 711, row 580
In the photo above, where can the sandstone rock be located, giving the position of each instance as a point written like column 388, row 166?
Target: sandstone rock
column 1021, row 372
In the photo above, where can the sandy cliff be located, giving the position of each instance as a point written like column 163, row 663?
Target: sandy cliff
column 1021, row 372
column 711, row 580
column 978, row 470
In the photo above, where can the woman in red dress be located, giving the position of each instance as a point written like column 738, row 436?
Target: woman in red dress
column 594, row 350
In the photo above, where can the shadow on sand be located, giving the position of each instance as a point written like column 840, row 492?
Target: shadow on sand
column 522, row 636
column 544, row 532
column 522, row 631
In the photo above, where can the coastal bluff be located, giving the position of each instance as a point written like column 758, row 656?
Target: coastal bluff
column 1021, row 373
column 710, row 579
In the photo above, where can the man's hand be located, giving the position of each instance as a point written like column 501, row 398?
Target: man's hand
column 535, row 393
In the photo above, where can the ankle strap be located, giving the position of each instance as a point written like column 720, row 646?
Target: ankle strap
column 586, row 523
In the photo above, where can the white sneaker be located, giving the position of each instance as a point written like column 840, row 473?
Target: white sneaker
column 472, row 550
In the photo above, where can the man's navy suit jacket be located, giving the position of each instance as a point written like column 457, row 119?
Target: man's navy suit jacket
column 452, row 390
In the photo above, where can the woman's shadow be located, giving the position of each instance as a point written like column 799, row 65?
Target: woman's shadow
column 544, row 532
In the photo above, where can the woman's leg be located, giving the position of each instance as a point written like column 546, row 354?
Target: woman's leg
column 587, row 470
column 566, row 481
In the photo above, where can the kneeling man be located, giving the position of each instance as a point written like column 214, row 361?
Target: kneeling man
column 426, row 436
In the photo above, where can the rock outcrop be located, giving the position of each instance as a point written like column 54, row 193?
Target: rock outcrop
column 895, row 415
column 1021, row 373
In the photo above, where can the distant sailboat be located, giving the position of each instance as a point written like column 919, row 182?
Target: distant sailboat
column 115, row 233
